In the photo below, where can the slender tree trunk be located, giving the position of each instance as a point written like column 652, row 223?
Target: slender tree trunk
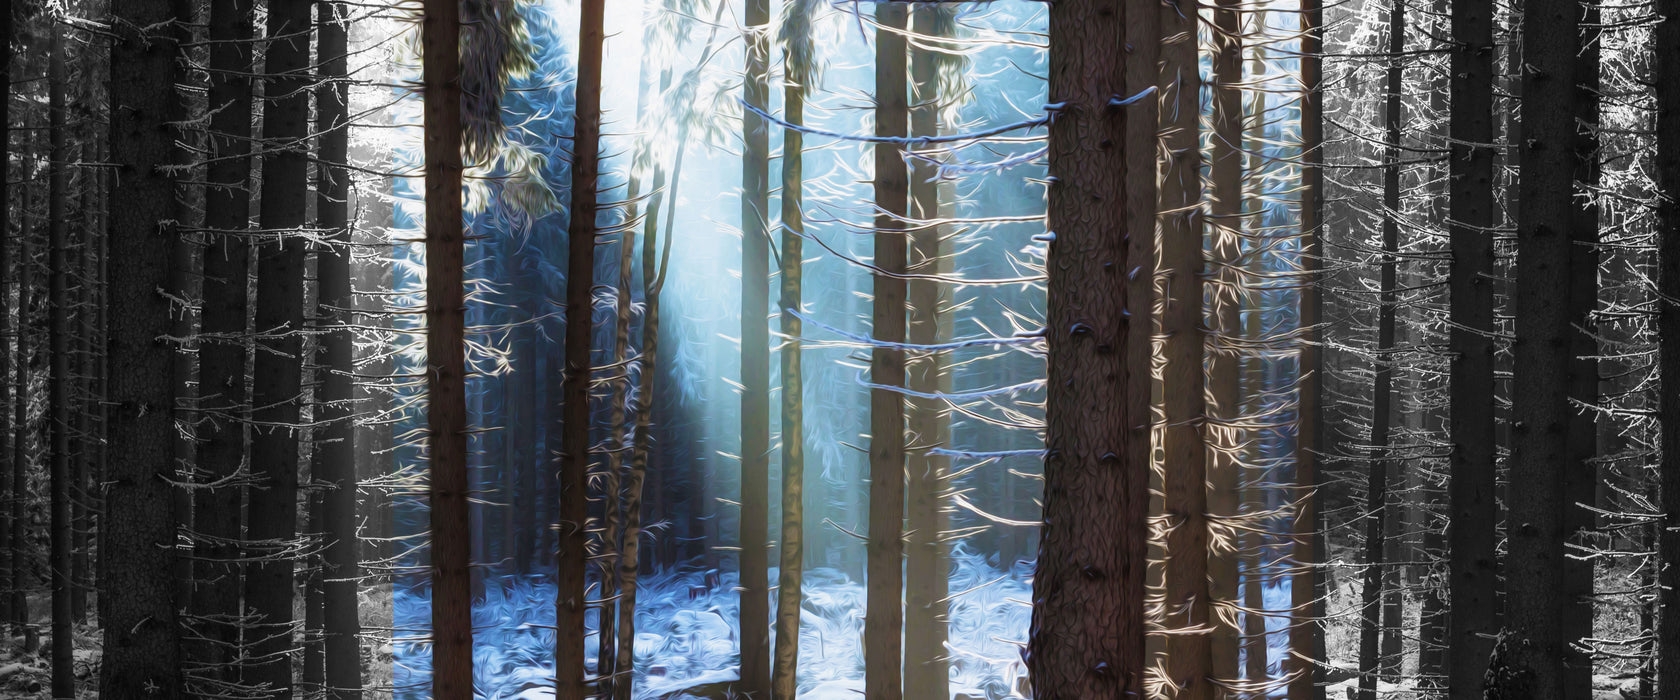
column 223, row 346
column 1307, row 629
column 446, row 413
column 784, row 675
column 1184, row 444
column 580, row 282
column 335, row 458
column 58, row 387
column 1088, row 619
column 883, row 642
column 373, row 432
column 1471, row 486
column 1582, row 474
column 85, row 391
column 276, row 395
column 1225, row 320
column 1376, row 577
column 1256, row 654
column 137, row 609
column 20, row 421
column 755, row 360
column 1537, row 592
column 13, row 527
column 1667, row 167
column 927, row 569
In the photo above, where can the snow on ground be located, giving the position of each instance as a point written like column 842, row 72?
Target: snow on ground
column 687, row 635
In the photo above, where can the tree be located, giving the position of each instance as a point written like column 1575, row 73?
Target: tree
column 13, row 526
column 755, row 359
column 142, row 643
column 58, row 386
column 1472, row 561
column 927, row 566
column 1088, row 588
column 580, row 282
column 801, row 72
column 223, row 346
column 276, row 392
column 335, row 459
column 1667, row 164
column 1373, row 602
column 1536, row 592
column 21, row 396
column 446, row 412
column 1183, row 442
column 883, row 642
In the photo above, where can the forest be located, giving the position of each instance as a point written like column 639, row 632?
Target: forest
column 826, row 349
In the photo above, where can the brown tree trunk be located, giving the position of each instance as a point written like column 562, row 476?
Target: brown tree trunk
column 580, row 281
column 137, row 609
column 446, row 412
column 883, row 642
column 1088, row 619
column 755, row 361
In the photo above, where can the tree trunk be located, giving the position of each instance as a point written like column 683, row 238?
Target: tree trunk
column 223, row 346
column 1184, row 445
column 927, row 568
column 784, row 675
column 58, row 386
column 1667, row 167
column 755, row 360
column 1537, row 594
column 13, row 527
column 335, row 458
column 276, row 395
column 1471, row 486
column 20, row 422
column 1088, row 588
column 1307, row 629
column 1225, row 319
column 446, row 412
column 883, row 642
column 1376, row 577
column 580, row 282
column 137, row 609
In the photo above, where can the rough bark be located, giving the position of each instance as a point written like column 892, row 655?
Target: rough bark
column 1088, row 588
column 19, row 544
column 755, row 360
column 224, row 348
column 883, row 624
column 446, row 408
column 1474, row 512
column 13, row 527
column 334, row 450
column 927, row 567
column 580, row 281
column 142, row 642
column 1536, row 596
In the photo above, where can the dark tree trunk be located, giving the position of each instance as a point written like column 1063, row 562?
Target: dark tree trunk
column 446, row 412
column 1667, row 644
column 276, row 393
column 927, row 566
column 373, row 431
column 883, row 642
column 58, row 382
column 13, row 526
column 1088, row 589
column 334, row 450
column 1184, row 445
column 1537, row 593
column 1307, row 631
column 580, row 282
column 20, row 422
column 137, row 609
column 1471, row 487
column 755, row 360
column 1377, row 579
